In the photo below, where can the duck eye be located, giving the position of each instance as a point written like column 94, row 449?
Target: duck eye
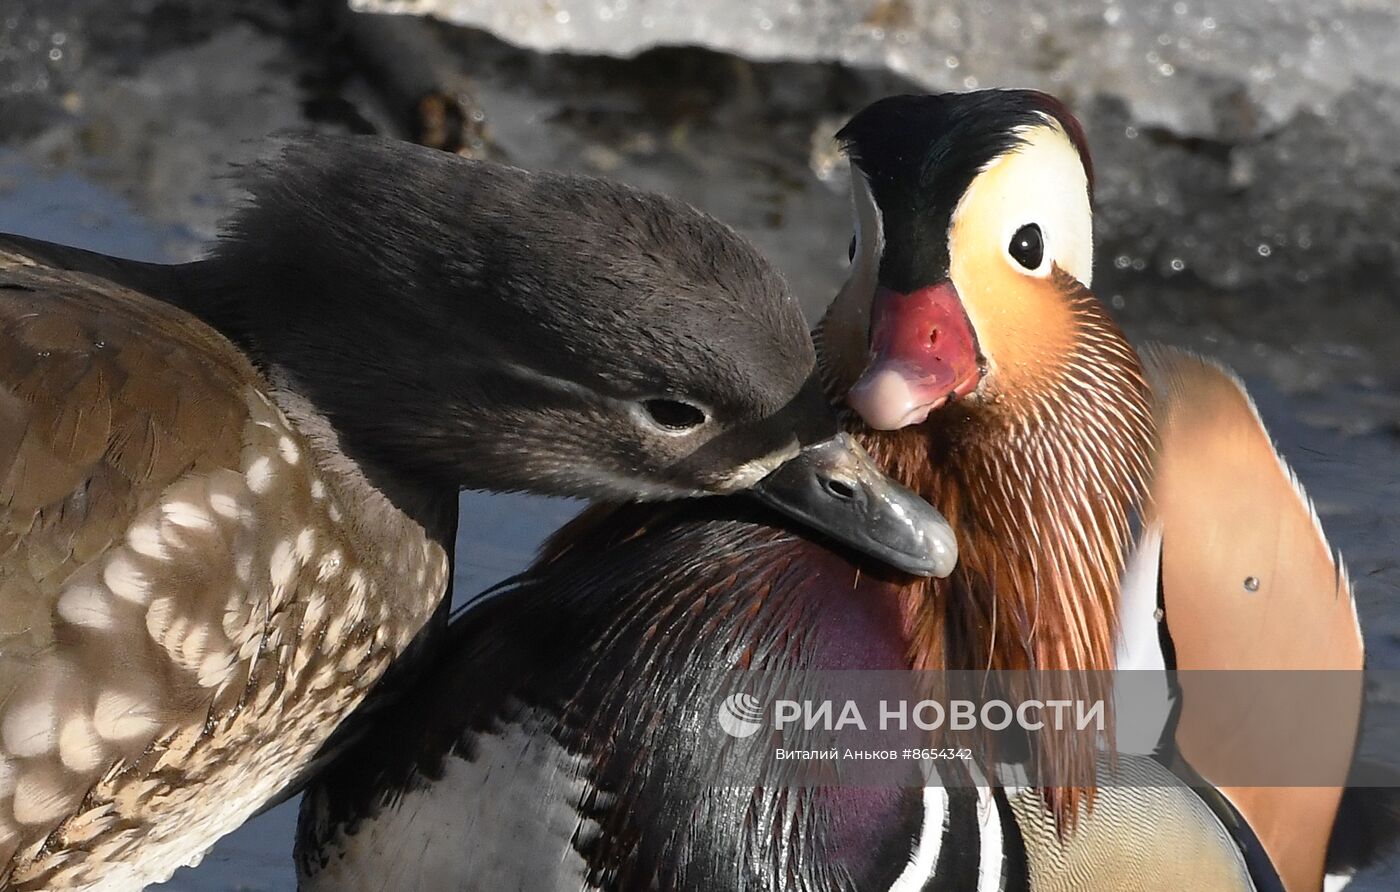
column 1027, row 247
column 673, row 415
column 851, row 251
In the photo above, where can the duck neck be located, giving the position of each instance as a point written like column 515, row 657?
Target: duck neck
column 364, row 427
column 1041, row 486
column 385, row 496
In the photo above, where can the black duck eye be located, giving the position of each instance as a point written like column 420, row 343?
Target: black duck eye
column 673, row 415
column 1027, row 247
column 851, row 251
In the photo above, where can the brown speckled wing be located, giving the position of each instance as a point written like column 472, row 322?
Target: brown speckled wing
column 174, row 578
column 120, row 418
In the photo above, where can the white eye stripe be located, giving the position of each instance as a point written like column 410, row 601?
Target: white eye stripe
column 1042, row 181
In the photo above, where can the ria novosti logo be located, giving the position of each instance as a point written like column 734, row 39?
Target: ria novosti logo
column 741, row 715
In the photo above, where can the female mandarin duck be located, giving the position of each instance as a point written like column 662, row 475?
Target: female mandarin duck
column 998, row 387
column 228, row 489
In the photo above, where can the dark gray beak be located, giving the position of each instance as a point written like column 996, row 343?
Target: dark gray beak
column 834, row 486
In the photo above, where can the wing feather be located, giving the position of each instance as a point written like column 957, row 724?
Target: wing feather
column 109, row 402
column 1250, row 583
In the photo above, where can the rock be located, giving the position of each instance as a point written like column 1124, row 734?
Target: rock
column 1248, row 144
column 1206, row 69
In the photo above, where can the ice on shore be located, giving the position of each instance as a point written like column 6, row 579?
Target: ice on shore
column 1222, row 69
column 1231, row 136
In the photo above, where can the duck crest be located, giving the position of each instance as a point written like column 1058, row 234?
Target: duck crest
column 1041, row 485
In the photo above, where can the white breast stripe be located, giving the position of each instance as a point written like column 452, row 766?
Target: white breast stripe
column 989, row 830
column 925, row 857
column 1142, row 698
column 1139, row 646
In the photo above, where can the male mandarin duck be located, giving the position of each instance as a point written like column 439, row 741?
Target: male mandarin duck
column 228, row 489
column 969, row 326
column 567, row 741
column 1082, row 478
